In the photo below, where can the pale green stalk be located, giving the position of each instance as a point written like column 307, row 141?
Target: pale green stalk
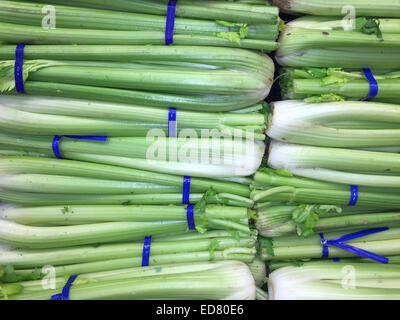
column 221, row 280
column 385, row 243
column 261, row 294
column 32, row 258
column 67, row 116
column 74, row 215
column 295, row 39
column 36, row 165
column 241, row 12
column 322, row 42
column 282, row 186
column 316, row 124
column 58, row 237
column 356, row 167
column 383, row 8
column 329, row 23
column 84, row 18
column 61, row 236
column 15, row 33
column 201, row 157
column 158, row 76
column 245, row 255
column 258, row 270
column 277, row 221
column 46, row 199
column 337, row 84
column 333, row 281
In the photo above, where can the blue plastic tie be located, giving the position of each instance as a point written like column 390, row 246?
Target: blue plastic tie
column 190, row 217
column 146, row 251
column 373, row 84
column 186, row 190
column 18, row 68
column 57, row 139
column 339, row 243
column 64, row 295
column 353, row 196
column 169, row 28
column 172, row 128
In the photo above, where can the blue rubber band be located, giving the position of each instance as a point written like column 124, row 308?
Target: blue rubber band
column 325, row 248
column 56, row 147
column 190, row 217
column 172, row 128
column 64, row 295
column 169, row 28
column 146, row 251
column 57, row 139
column 353, row 196
column 186, row 190
column 339, row 243
column 373, row 84
column 18, row 68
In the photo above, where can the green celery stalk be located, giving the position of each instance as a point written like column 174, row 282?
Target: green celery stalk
column 221, row 158
column 62, row 114
column 213, row 10
column 13, row 33
column 45, row 199
column 60, row 236
column 186, row 77
column 75, row 215
column 277, row 221
column 385, row 8
column 348, row 166
column 219, row 280
column 334, row 281
column 317, row 124
column 36, row 165
column 32, row 258
column 88, row 18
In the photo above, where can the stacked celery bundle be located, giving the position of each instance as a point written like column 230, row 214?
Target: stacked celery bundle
column 335, row 281
column 186, row 77
column 337, row 160
column 224, row 280
column 327, row 66
column 385, row 8
column 332, row 186
column 385, row 242
column 222, row 24
column 127, row 148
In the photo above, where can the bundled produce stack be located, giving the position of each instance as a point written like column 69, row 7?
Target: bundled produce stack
column 138, row 159
column 332, row 188
column 129, row 133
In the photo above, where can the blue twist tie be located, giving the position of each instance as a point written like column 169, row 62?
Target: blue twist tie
column 339, row 243
column 169, row 28
column 354, row 196
column 57, row 139
column 373, row 84
column 172, row 129
column 146, row 251
column 190, row 217
column 64, row 295
column 186, row 190
column 18, row 68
